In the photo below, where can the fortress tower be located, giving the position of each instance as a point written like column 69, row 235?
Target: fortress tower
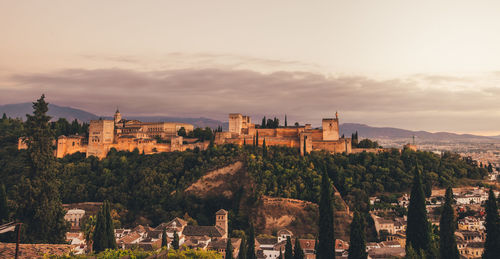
column 331, row 128
column 221, row 221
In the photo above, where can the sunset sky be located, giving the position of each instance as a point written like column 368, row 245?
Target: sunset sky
column 420, row 65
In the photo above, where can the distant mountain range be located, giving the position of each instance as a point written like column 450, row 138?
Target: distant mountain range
column 20, row 110
column 365, row 131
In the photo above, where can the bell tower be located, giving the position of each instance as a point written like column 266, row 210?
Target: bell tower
column 118, row 116
column 221, row 221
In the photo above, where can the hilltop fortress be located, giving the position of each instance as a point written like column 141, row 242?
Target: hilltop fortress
column 243, row 131
column 126, row 135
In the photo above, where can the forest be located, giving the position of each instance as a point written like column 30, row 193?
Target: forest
column 149, row 188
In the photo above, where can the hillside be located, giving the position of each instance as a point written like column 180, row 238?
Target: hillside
column 269, row 214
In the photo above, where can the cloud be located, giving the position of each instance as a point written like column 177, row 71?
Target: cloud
column 304, row 96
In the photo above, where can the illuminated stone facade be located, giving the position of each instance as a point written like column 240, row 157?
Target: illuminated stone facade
column 305, row 138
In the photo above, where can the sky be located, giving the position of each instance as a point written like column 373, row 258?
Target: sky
column 419, row 65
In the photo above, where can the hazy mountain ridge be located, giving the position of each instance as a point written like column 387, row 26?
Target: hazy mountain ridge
column 366, row 131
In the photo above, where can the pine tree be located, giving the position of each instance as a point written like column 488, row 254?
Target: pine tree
column 447, row 226
column 251, row 244
column 492, row 224
column 40, row 209
column 418, row 232
column 326, row 238
column 298, row 253
column 164, row 238
column 4, row 209
column 175, row 241
column 357, row 246
column 229, row 249
column 243, row 248
column 288, row 248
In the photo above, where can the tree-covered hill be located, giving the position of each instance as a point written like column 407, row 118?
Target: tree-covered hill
column 150, row 188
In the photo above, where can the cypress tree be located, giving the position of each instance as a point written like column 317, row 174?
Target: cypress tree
column 492, row 224
column 257, row 139
column 244, row 142
column 243, row 248
column 110, row 228
column 263, row 125
column 298, row 253
column 41, row 209
column 326, row 238
column 104, row 236
column 229, row 249
column 447, row 226
column 357, row 246
column 4, row 209
column 164, row 238
column 98, row 242
column 264, row 148
column 286, row 122
column 175, row 241
column 288, row 248
column 251, row 244
column 418, row 232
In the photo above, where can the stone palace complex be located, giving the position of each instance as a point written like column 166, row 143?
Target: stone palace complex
column 155, row 137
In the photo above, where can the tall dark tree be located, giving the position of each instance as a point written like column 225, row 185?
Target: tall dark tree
column 264, row 148
column 286, row 122
column 242, row 254
column 175, row 241
column 298, row 253
column 251, row 244
column 492, row 224
column 357, row 246
column 418, row 229
column 257, row 139
column 281, row 254
column 326, row 238
column 288, row 248
column 104, row 236
column 164, row 238
column 263, row 124
column 229, row 249
column 40, row 207
column 4, row 209
column 447, row 226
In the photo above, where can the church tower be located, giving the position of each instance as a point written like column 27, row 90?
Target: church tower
column 118, row 116
column 221, row 221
